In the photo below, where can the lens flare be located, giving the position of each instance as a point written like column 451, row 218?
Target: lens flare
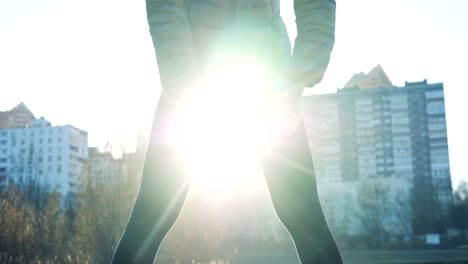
column 225, row 125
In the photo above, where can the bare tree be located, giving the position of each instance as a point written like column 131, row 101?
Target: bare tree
column 460, row 206
column 373, row 200
column 29, row 233
column 338, row 218
column 103, row 206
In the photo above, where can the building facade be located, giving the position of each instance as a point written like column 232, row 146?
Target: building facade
column 52, row 156
column 393, row 136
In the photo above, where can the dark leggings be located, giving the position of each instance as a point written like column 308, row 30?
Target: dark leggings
column 289, row 173
column 290, row 176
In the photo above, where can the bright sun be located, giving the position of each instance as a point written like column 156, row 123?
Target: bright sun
column 225, row 128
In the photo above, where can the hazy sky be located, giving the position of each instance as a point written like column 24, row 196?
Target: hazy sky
column 91, row 63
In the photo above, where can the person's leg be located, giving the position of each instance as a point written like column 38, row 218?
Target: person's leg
column 164, row 187
column 289, row 173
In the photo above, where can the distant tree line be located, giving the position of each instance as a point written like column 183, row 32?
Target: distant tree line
column 38, row 226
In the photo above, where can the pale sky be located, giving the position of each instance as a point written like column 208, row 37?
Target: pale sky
column 91, row 63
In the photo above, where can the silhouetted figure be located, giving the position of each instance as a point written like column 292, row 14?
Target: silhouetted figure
column 191, row 36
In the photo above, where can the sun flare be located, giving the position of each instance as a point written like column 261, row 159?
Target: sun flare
column 225, row 128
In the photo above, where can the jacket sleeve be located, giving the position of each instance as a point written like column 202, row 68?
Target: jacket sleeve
column 172, row 39
column 315, row 21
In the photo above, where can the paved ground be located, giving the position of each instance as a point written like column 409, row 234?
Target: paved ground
column 406, row 257
column 368, row 257
column 373, row 257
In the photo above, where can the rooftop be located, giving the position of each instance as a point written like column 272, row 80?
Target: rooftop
column 374, row 79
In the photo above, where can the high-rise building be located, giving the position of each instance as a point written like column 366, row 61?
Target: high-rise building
column 371, row 129
column 52, row 156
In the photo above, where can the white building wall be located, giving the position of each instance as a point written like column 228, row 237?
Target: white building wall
column 53, row 156
column 327, row 164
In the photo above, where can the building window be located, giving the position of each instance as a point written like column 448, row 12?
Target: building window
column 59, row 158
column 74, row 149
column 436, row 126
column 49, row 159
column 437, row 134
column 436, row 107
column 435, row 94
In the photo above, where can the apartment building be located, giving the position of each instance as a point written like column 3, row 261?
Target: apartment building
column 53, row 156
column 371, row 131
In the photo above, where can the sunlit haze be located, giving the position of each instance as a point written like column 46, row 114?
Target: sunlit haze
column 92, row 64
column 221, row 126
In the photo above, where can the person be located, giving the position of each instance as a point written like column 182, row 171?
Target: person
column 189, row 37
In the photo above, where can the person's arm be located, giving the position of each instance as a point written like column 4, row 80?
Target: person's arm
column 315, row 21
column 172, row 39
